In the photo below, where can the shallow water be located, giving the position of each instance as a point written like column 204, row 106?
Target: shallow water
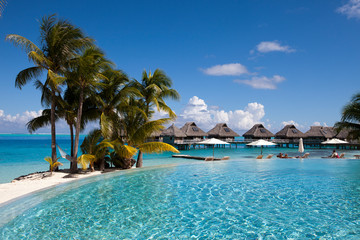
column 22, row 154
column 236, row 199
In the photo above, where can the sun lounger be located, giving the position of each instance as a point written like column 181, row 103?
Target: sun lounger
column 306, row 155
column 259, row 157
column 269, row 156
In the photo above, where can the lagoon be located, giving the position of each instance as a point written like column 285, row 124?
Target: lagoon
column 236, row 199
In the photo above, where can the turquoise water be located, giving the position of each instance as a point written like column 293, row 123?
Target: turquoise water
column 22, row 154
column 236, row 199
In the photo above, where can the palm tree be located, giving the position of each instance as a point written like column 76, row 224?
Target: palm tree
column 66, row 109
column 85, row 72
column 53, row 165
column 155, row 88
column 60, row 41
column 138, row 129
column 350, row 119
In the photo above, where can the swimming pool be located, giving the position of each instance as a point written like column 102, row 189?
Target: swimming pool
column 237, row 199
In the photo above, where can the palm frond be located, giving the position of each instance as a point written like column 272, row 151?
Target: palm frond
column 26, row 75
column 125, row 151
column 22, row 42
column 145, row 130
column 86, row 159
column 157, row 147
column 106, row 126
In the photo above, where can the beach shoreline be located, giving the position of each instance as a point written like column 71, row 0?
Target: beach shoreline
column 38, row 181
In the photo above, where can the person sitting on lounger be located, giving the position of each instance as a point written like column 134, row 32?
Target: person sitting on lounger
column 334, row 154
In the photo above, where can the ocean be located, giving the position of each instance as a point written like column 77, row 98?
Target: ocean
column 21, row 154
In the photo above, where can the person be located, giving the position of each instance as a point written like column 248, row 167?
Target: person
column 334, row 154
column 279, row 155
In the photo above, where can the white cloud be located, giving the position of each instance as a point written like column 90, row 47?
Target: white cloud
column 274, row 46
column 198, row 111
column 297, row 125
column 231, row 69
column 16, row 123
column 262, row 82
column 291, row 122
column 350, row 9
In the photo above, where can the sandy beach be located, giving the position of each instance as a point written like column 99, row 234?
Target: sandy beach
column 37, row 181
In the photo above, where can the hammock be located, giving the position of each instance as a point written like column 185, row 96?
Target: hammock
column 64, row 155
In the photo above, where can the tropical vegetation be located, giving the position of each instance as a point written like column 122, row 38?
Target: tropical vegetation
column 52, row 164
column 94, row 91
column 350, row 119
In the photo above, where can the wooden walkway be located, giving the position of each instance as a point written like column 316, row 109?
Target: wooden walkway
column 200, row 158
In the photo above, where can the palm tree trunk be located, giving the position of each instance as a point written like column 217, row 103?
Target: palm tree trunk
column 72, row 144
column 53, row 132
column 139, row 161
column 77, row 131
column 72, row 140
column 102, row 164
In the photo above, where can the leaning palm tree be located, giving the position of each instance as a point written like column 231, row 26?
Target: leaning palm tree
column 60, row 41
column 350, row 119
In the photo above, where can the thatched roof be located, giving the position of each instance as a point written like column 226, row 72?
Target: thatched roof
column 156, row 134
column 173, row 131
column 320, row 132
column 343, row 134
column 222, row 130
column 258, row 131
column 191, row 130
column 290, row 131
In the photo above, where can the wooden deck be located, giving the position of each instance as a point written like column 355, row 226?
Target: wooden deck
column 200, row 158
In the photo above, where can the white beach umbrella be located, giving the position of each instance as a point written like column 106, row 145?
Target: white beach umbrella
column 261, row 143
column 301, row 146
column 212, row 141
column 335, row 141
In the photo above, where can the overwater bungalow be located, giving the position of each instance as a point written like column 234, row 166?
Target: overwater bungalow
column 173, row 135
column 258, row 131
column 193, row 132
column 289, row 135
column 318, row 134
column 223, row 132
column 155, row 137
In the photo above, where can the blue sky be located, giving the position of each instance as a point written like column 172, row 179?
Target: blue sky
column 240, row 62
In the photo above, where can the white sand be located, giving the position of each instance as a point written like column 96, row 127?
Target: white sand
column 37, row 181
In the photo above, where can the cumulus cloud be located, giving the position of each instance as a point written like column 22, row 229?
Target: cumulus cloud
column 297, row 125
column 262, row 82
column 231, row 69
column 291, row 122
column 16, row 123
column 274, row 46
column 242, row 119
column 350, row 9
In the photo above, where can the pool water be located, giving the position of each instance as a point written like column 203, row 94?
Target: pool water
column 236, row 199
